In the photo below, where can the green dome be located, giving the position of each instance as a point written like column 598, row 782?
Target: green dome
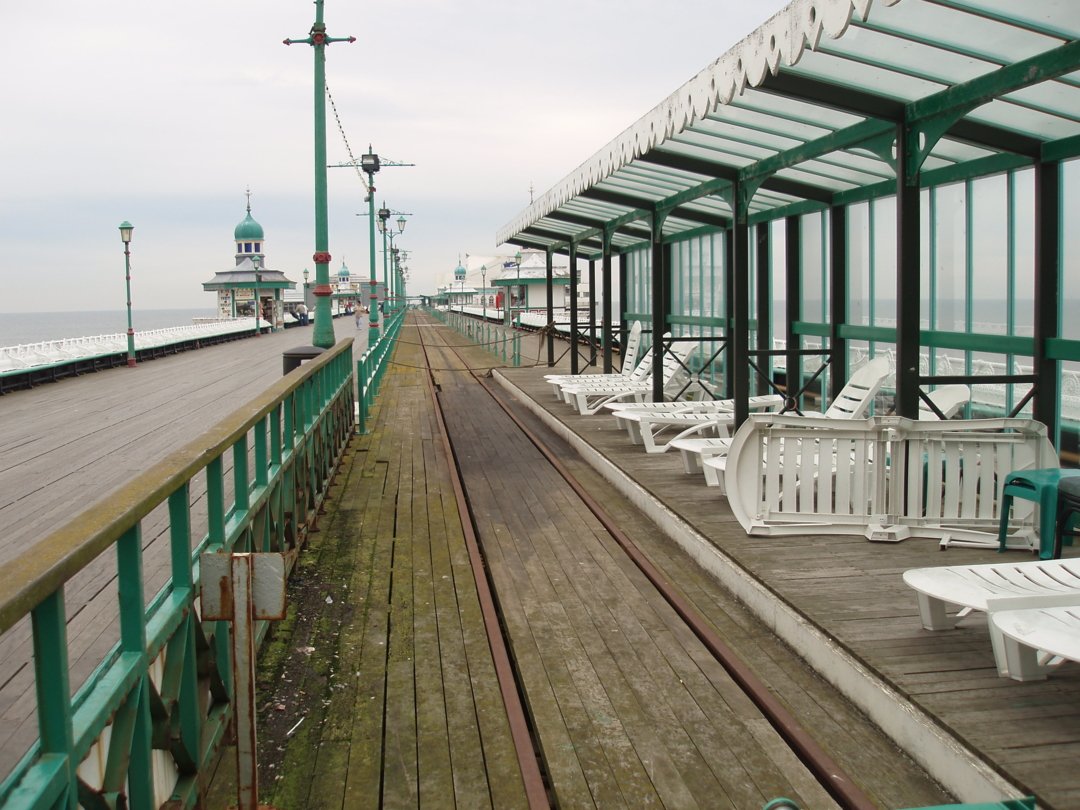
column 248, row 229
column 343, row 272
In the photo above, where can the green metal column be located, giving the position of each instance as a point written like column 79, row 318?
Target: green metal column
column 373, row 278
column 739, row 345
column 908, row 234
column 1047, row 323
column 659, row 304
column 592, row 312
column 764, row 301
column 575, row 366
column 793, row 308
column 838, row 296
column 605, row 308
column 323, row 335
column 550, row 308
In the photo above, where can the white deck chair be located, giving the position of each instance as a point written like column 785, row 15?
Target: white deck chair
column 971, row 587
column 630, row 360
column 1033, row 636
column 653, row 430
column 712, row 458
column 591, row 399
column 639, row 373
column 1033, row 607
column 852, row 402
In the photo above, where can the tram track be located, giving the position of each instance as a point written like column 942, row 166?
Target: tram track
column 832, row 778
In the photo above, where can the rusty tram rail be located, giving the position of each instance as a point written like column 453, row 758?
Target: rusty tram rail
column 840, row 786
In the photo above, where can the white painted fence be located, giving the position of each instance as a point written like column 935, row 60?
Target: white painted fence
column 52, row 352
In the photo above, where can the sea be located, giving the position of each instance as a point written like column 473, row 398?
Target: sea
column 17, row 328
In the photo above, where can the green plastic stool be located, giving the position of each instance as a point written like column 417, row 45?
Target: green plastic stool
column 1040, row 486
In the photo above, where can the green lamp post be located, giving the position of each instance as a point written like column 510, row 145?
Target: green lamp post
column 384, row 216
column 323, row 336
column 517, row 261
column 369, row 164
column 256, row 261
column 125, row 236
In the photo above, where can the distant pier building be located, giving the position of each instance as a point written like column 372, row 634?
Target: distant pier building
column 250, row 283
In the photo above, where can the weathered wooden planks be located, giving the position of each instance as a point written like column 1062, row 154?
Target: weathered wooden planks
column 853, row 590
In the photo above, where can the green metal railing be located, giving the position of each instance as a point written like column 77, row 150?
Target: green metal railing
column 372, row 365
column 496, row 338
column 163, row 692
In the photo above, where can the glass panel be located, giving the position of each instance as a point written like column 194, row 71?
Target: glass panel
column 1070, row 247
column 858, row 250
column 884, row 82
column 953, row 27
column 883, row 234
column 770, row 109
column 917, row 59
column 778, row 246
column 948, row 243
column 1024, row 119
column 814, row 305
column 1023, row 230
column 990, row 254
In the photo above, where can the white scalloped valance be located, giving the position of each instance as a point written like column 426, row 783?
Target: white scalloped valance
column 780, row 41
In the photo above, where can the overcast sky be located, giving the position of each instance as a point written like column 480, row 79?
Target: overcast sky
column 163, row 114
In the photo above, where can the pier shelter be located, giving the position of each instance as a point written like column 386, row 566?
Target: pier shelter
column 251, row 286
column 852, row 179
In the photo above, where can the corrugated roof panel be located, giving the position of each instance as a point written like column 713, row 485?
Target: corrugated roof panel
column 789, row 103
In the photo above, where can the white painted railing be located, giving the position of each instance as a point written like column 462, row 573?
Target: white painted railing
column 51, row 352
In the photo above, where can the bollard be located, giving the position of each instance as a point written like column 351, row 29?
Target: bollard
column 242, row 589
column 292, row 358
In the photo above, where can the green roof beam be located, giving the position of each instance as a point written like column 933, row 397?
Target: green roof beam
column 990, row 86
column 834, row 142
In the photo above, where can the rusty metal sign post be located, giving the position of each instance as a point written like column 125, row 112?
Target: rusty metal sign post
column 243, row 589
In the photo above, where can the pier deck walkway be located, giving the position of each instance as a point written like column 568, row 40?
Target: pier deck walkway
column 377, row 690
column 65, row 445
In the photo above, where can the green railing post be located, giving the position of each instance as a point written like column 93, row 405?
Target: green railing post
column 57, row 738
column 129, row 749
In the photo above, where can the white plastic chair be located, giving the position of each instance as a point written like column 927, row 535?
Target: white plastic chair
column 630, row 362
column 1032, row 637
column 853, row 402
column 590, row 399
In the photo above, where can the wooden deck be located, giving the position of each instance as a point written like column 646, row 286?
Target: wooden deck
column 378, row 689
column 850, row 591
column 627, row 707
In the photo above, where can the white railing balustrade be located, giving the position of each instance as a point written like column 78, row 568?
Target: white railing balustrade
column 51, row 352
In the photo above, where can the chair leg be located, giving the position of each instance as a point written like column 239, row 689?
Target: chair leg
column 1003, row 527
column 933, row 615
column 1049, row 547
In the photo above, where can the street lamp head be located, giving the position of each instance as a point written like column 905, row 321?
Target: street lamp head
column 369, row 162
column 125, row 231
column 305, row 275
column 401, row 224
column 384, row 214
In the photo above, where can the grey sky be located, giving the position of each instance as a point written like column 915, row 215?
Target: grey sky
column 162, row 114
